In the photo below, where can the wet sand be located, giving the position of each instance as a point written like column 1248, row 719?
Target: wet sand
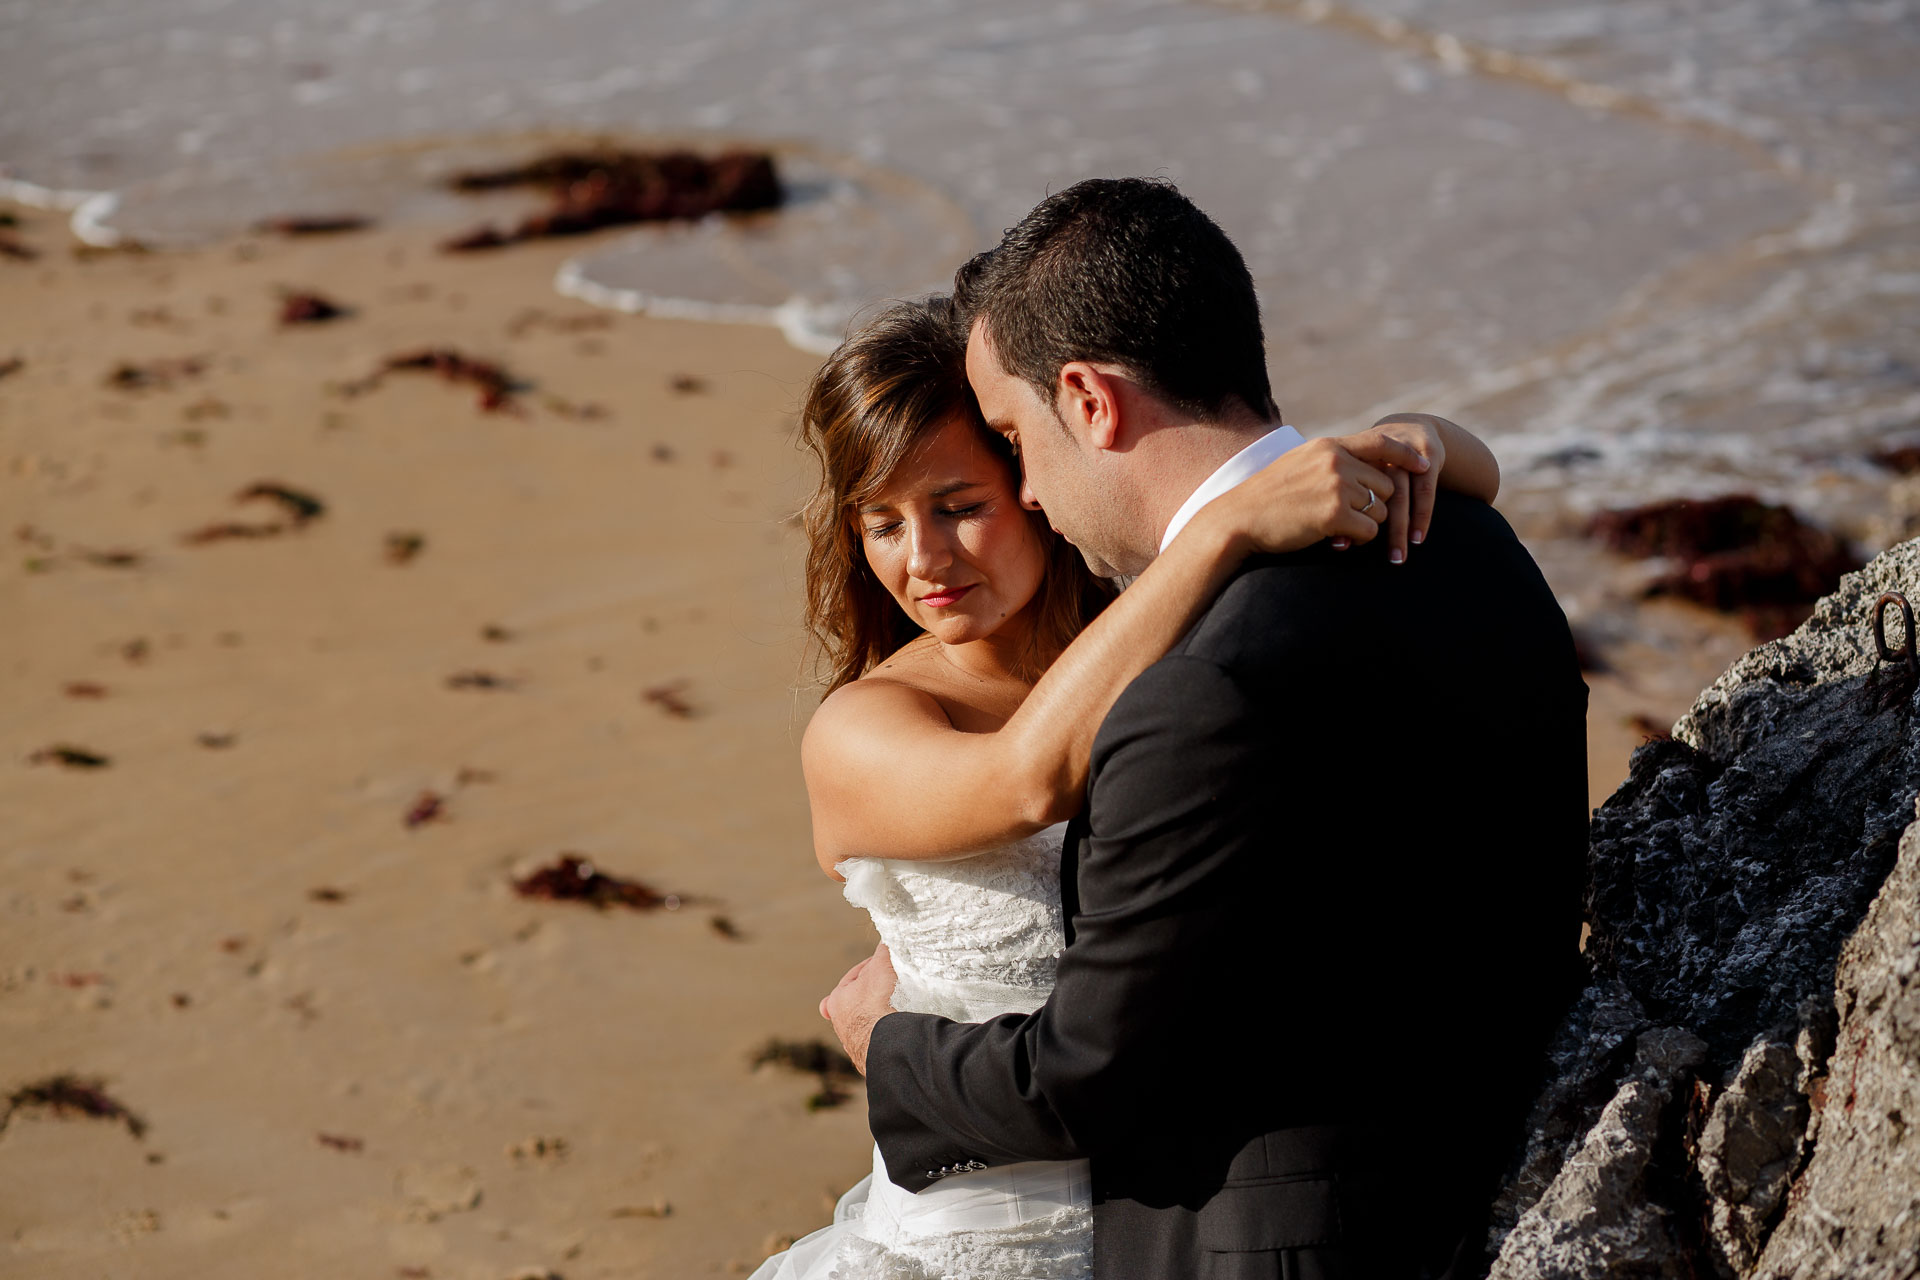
column 356, row 1050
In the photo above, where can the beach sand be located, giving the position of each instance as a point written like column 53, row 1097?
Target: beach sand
column 159, row 920
column 355, row 1049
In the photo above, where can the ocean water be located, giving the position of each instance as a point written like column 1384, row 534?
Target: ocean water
column 1652, row 247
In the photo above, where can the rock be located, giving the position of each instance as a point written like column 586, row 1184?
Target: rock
column 1598, row 1219
column 1751, row 1147
column 1724, row 878
column 1855, row 1211
column 1587, row 1052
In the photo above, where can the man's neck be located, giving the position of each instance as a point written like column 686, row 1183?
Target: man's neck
column 1187, row 456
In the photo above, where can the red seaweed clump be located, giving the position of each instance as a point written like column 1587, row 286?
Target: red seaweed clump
column 71, row 756
column 572, row 878
column 309, row 308
column 1903, row 460
column 301, row 509
column 1735, row 554
column 154, row 374
column 66, row 1095
column 322, row 224
column 835, row 1070
column 476, row 678
column 429, row 806
column 595, row 189
column 497, row 387
column 671, row 699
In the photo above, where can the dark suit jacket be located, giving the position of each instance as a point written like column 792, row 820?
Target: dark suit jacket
column 1324, row 907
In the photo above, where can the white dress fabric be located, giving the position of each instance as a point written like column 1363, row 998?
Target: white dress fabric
column 970, row 940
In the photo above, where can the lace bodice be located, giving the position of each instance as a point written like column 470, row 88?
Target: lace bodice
column 970, row 939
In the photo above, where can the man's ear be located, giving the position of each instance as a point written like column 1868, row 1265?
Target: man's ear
column 1088, row 400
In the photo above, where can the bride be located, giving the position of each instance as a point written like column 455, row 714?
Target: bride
column 973, row 657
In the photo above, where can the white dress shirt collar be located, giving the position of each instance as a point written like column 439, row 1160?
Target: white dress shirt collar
column 1233, row 471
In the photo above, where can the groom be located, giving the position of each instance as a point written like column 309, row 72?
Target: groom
column 1323, row 904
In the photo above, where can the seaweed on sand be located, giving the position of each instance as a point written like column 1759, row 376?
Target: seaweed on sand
column 428, row 806
column 302, row 508
column 609, row 187
column 313, row 224
column 474, row 678
column 154, row 374
column 572, row 878
column 497, row 386
column 71, row 756
column 812, row 1057
column 69, row 1095
column 402, row 546
column 670, row 699
column 309, row 308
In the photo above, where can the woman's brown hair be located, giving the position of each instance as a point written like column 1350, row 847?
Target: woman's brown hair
column 886, row 389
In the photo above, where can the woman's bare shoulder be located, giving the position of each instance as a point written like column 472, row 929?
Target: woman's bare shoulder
column 904, row 686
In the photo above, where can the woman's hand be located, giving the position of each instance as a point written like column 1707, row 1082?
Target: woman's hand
column 1410, row 509
column 1469, row 465
column 1317, row 490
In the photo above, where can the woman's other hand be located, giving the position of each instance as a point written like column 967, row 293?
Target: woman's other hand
column 1469, row 465
column 1410, row 509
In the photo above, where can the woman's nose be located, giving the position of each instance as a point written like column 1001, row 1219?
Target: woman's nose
column 929, row 553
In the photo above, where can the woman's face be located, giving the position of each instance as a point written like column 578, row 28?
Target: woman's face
column 948, row 538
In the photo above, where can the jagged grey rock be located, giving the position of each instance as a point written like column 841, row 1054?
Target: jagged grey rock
column 1725, row 875
column 1597, row 1219
column 1749, row 1149
column 1855, row 1212
column 1587, row 1052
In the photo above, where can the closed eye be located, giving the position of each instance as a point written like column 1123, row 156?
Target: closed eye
column 882, row 532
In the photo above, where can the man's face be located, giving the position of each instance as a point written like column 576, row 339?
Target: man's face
column 1055, row 473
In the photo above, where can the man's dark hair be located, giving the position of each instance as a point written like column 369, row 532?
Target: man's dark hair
column 1125, row 271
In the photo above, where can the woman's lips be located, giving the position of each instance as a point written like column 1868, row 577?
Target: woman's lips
column 941, row 599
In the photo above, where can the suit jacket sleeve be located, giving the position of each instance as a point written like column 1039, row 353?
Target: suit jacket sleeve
column 1102, row 1064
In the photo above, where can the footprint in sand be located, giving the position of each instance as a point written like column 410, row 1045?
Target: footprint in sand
column 433, row 1191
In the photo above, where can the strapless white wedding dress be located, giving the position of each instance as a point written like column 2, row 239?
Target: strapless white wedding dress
column 970, row 940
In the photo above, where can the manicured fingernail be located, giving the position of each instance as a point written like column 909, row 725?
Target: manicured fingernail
column 1396, row 555
column 1340, row 544
column 1418, row 536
